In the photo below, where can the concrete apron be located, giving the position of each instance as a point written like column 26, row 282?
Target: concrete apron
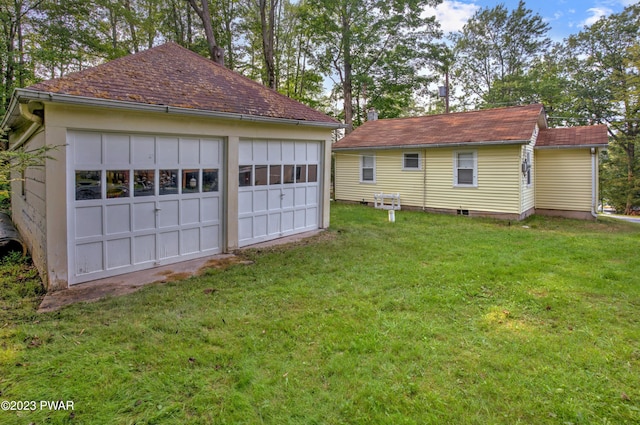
column 131, row 282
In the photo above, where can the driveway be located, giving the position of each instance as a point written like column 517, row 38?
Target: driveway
column 629, row 218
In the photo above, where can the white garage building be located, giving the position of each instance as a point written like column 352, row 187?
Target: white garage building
column 162, row 156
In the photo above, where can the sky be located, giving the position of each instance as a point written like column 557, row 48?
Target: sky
column 565, row 17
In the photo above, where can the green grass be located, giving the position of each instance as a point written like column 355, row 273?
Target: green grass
column 430, row 320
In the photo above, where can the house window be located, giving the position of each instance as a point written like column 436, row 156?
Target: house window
column 368, row 169
column 465, row 169
column 411, row 161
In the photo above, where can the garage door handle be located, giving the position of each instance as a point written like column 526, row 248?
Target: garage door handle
column 158, row 209
column 282, row 196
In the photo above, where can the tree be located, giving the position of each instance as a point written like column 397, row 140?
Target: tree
column 495, row 50
column 375, row 49
column 604, row 63
column 202, row 10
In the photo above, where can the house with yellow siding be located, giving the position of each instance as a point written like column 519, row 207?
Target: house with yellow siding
column 504, row 163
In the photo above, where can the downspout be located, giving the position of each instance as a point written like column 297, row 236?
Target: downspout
column 424, row 180
column 26, row 111
column 594, row 183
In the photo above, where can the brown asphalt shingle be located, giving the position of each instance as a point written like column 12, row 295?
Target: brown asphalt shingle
column 591, row 135
column 513, row 124
column 174, row 76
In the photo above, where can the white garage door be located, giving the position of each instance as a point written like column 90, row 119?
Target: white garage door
column 279, row 189
column 141, row 200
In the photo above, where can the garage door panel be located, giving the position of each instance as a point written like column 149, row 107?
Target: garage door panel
column 260, row 200
column 189, row 151
column 191, row 241
column 245, row 202
column 91, row 148
column 300, row 196
column 275, row 224
column 245, row 228
column 89, row 258
column 300, row 219
column 169, row 244
column 274, row 155
column 118, row 253
column 287, row 198
column 288, row 152
column 144, row 150
column 117, row 149
column 210, row 238
column 312, row 217
column 210, row 209
column 167, row 150
column 190, row 211
column 313, row 153
column 274, row 199
column 210, row 152
column 144, row 216
column 312, row 195
column 287, row 221
column 260, row 149
column 260, row 225
column 88, row 221
column 300, row 153
column 245, row 153
column 168, row 215
column 144, row 249
column 118, row 219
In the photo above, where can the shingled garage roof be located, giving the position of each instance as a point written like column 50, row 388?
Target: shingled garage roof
column 171, row 75
column 569, row 137
column 502, row 125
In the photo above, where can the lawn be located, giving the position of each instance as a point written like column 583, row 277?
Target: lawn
column 429, row 320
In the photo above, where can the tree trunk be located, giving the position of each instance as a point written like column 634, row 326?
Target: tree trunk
column 216, row 53
column 347, row 84
column 268, row 35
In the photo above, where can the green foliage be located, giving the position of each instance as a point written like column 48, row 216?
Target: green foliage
column 374, row 48
column 494, row 52
column 433, row 319
column 15, row 162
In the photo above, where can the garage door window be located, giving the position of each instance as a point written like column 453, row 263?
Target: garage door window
column 245, row 175
column 262, row 175
column 118, row 184
column 288, row 174
column 275, row 174
column 301, row 174
column 210, row 180
column 143, row 182
column 190, row 179
column 313, row 173
column 88, row 185
column 168, row 182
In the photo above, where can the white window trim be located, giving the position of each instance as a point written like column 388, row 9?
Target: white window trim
column 418, row 168
column 362, row 156
column 475, row 168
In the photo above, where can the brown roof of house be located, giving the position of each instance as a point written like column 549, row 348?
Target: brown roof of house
column 591, row 135
column 502, row 125
column 174, row 76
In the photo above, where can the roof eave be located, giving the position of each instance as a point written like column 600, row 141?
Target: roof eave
column 592, row 145
column 437, row 145
column 25, row 94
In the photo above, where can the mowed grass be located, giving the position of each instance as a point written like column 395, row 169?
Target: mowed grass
column 430, row 320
